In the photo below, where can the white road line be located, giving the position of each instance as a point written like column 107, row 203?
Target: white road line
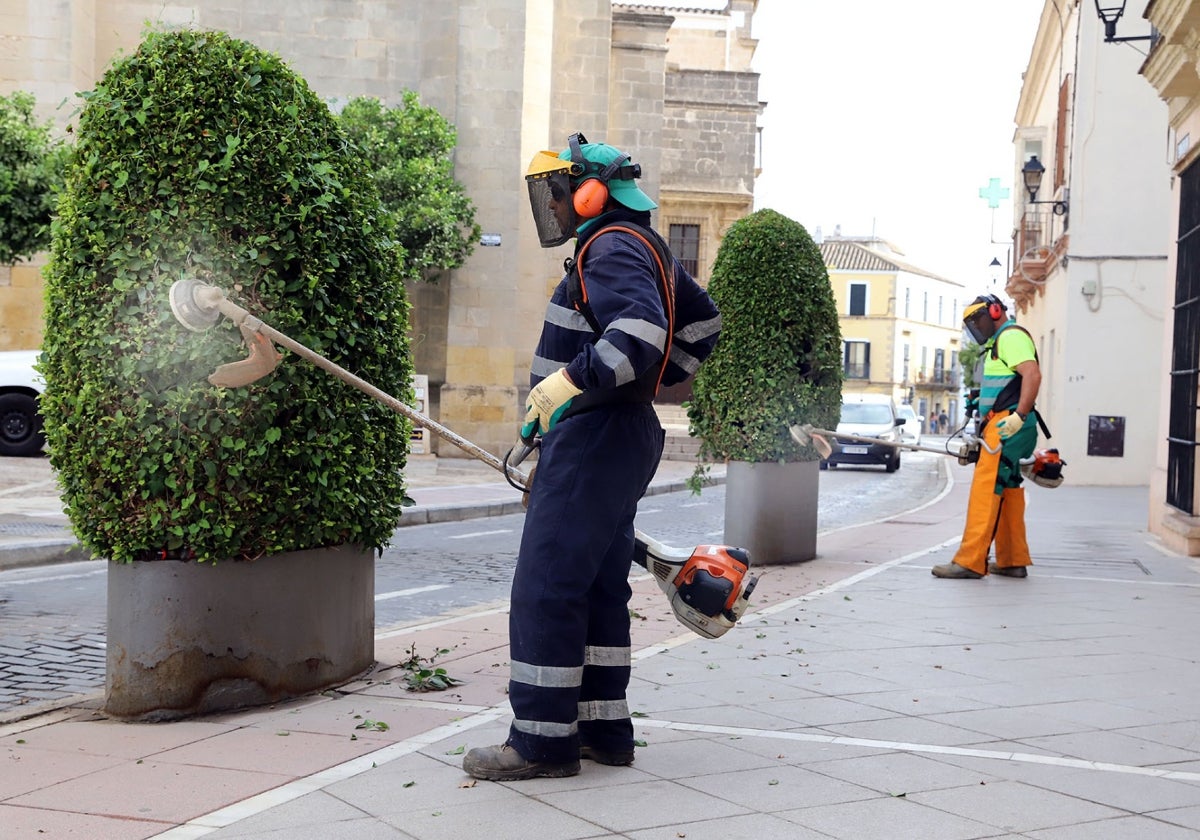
column 649, row 510
column 479, row 534
column 694, row 504
column 402, row 593
column 936, row 749
column 52, row 578
column 215, row 820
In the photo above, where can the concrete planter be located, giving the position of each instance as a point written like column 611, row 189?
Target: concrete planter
column 771, row 510
column 187, row 638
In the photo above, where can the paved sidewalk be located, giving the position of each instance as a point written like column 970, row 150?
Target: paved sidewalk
column 862, row 698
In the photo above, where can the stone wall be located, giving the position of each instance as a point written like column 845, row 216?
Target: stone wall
column 513, row 76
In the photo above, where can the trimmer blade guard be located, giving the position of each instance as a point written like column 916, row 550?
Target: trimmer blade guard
column 807, row 435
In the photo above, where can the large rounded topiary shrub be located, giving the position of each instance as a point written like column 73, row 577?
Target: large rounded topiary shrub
column 200, row 155
column 778, row 362
column 779, row 359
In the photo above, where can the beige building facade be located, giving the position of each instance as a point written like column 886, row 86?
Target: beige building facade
column 901, row 326
column 673, row 87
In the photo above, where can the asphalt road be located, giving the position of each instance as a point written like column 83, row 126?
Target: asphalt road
column 52, row 618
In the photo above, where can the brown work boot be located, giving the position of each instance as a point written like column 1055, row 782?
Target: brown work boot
column 953, row 570
column 618, row 758
column 1008, row 571
column 502, row 763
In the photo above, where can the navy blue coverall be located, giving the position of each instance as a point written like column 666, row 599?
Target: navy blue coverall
column 569, row 618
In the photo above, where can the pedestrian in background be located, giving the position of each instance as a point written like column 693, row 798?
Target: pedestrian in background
column 626, row 317
column 996, row 505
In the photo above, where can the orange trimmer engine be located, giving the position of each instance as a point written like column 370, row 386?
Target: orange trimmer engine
column 708, row 589
column 1044, row 468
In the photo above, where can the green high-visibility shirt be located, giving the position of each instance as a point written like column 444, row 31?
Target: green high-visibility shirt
column 1011, row 347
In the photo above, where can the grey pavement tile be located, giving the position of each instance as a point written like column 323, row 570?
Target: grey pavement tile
column 314, row 816
column 1126, row 791
column 1013, row 724
column 750, row 825
column 801, row 752
column 643, row 805
column 1187, row 817
column 779, row 788
column 681, row 759
column 887, row 818
column 907, row 730
column 1119, row 828
column 727, row 714
column 819, row 711
column 364, row 828
column 839, row 683
column 900, row 772
column 920, row 700
column 1014, row 806
column 1182, row 734
column 1112, row 747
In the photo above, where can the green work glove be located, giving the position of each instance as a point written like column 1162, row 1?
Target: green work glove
column 1009, row 425
column 547, row 402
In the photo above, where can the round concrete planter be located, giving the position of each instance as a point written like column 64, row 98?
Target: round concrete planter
column 771, row 510
column 187, row 638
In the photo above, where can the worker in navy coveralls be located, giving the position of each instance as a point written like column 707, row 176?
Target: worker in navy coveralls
column 625, row 318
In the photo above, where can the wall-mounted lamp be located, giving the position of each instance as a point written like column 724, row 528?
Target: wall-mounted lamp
column 1032, row 173
column 1110, row 14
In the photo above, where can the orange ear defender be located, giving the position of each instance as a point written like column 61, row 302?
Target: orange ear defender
column 591, row 196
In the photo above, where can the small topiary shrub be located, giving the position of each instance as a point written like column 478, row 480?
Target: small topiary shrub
column 30, row 172
column 409, row 151
column 779, row 358
column 200, row 155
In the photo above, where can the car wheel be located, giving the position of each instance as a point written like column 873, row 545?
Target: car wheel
column 20, row 426
column 824, row 465
column 894, row 464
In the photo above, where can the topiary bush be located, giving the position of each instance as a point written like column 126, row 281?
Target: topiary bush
column 779, row 358
column 201, row 155
column 409, row 151
column 30, row 173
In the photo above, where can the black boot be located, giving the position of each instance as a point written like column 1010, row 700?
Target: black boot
column 618, row 758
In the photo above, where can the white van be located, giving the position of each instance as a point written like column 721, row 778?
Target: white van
column 872, row 416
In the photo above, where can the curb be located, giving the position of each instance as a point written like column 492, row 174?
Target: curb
column 51, row 552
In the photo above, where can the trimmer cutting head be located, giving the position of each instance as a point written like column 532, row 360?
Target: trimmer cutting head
column 187, row 307
column 807, row 434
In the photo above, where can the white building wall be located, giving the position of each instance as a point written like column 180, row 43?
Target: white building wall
column 1101, row 351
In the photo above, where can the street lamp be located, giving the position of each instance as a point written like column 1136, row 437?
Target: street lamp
column 1110, row 14
column 1031, row 174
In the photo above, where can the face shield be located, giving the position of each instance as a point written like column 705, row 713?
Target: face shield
column 978, row 324
column 549, row 181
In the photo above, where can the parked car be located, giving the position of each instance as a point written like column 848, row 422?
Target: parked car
column 872, row 416
column 910, row 432
column 20, row 422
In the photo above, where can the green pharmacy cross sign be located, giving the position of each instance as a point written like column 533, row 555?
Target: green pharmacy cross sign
column 993, row 192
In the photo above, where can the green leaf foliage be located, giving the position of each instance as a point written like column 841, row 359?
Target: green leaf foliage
column 779, row 358
column 204, row 156
column 408, row 151
column 968, row 357
column 30, row 174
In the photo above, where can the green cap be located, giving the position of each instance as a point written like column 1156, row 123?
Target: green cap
column 624, row 190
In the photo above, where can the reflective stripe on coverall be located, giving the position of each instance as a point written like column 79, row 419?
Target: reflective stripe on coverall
column 569, row 619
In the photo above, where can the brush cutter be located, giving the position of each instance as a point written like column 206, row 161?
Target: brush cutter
column 806, row 434
column 1044, row 467
column 708, row 587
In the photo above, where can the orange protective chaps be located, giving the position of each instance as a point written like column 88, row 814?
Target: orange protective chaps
column 994, row 514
